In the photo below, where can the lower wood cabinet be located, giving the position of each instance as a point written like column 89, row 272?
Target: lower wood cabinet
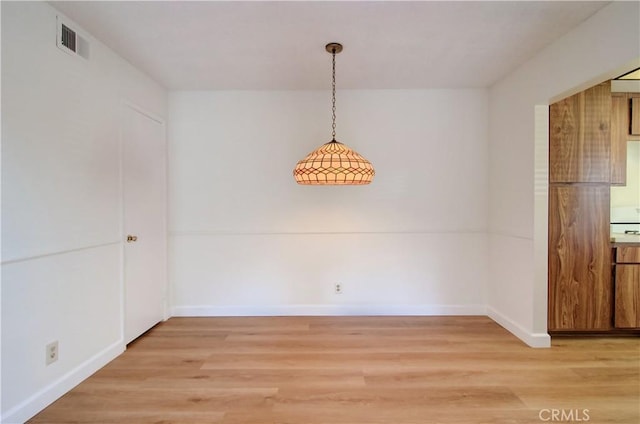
column 627, row 287
column 580, row 289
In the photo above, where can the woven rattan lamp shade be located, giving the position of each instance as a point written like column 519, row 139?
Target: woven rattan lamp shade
column 333, row 164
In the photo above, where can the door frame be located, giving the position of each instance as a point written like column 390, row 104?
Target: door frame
column 540, row 293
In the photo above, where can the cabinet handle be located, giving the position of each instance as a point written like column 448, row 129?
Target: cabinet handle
column 132, row 239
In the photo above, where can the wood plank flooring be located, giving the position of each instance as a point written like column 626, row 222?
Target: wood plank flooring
column 355, row 370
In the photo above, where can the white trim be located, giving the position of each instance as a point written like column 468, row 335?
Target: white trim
column 509, row 235
column 539, row 298
column 532, row 339
column 325, row 310
column 59, row 252
column 321, row 233
column 44, row 397
column 121, row 113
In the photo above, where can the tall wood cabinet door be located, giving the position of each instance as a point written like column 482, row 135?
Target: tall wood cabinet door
column 635, row 116
column 619, row 137
column 579, row 137
column 627, row 296
column 579, row 258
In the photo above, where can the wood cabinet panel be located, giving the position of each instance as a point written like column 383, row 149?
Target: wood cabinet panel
column 629, row 254
column 579, row 137
column 579, row 258
column 627, row 296
column 619, row 138
column 635, row 116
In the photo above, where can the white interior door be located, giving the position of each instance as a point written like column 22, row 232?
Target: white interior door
column 145, row 188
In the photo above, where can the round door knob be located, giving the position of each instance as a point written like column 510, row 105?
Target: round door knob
column 131, row 239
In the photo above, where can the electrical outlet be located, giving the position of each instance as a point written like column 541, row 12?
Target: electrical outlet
column 52, row 353
column 337, row 288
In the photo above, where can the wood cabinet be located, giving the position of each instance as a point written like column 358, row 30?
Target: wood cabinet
column 579, row 137
column 628, row 255
column 580, row 289
column 580, row 286
column 635, row 116
column 619, row 137
column 627, row 287
column 625, row 126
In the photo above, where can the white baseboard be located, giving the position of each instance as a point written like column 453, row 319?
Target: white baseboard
column 326, row 310
column 43, row 398
column 532, row 339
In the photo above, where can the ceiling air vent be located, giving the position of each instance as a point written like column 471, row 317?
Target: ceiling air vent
column 68, row 40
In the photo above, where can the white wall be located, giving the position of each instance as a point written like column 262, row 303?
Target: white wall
column 252, row 241
column 600, row 48
column 61, row 206
column 246, row 239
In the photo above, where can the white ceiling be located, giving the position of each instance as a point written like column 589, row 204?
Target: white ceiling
column 204, row 45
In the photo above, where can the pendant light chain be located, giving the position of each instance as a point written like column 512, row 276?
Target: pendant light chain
column 333, row 97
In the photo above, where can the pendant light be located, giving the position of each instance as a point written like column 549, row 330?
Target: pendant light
column 333, row 163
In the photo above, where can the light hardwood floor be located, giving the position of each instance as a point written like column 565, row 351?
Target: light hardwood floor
column 355, row 370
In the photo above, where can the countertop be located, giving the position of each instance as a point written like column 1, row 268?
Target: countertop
column 621, row 239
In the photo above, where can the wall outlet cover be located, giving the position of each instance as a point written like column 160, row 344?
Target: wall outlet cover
column 52, row 353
